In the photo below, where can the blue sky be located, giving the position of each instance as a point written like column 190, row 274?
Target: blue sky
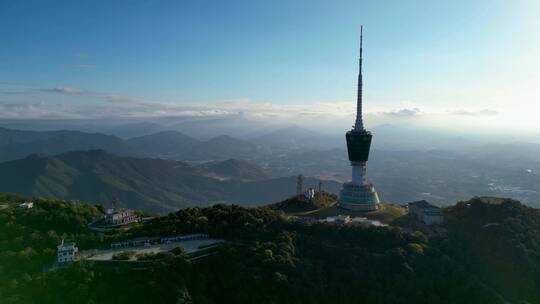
column 460, row 58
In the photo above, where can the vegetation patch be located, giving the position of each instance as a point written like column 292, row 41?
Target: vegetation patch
column 387, row 214
column 123, row 256
column 300, row 204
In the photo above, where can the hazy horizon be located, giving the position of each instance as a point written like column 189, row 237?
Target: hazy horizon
column 451, row 67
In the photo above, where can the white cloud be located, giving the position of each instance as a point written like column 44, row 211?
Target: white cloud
column 38, row 110
column 64, row 90
column 403, row 112
column 88, row 104
column 484, row 112
column 74, row 103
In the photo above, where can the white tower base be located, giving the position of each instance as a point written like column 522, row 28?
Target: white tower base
column 359, row 197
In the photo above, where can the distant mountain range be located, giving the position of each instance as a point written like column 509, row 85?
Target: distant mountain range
column 297, row 138
column 176, row 145
column 167, row 144
column 235, row 125
column 15, row 144
column 144, row 183
column 234, row 169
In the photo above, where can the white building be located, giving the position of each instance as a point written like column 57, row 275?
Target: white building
column 426, row 213
column 120, row 217
column 309, row 193
column 67, row 252
column 27, row 205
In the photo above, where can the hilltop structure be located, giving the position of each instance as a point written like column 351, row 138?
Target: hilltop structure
column 27, row 205
column 120, row 216
column 358, row 194
column 426, row 213
column 66, row 252
column 309, row 193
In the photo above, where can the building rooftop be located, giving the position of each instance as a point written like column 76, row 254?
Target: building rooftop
column 423, row 205
column 115, row 211
column 66, row 244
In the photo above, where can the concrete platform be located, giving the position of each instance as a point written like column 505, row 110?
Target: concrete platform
column 190, row 246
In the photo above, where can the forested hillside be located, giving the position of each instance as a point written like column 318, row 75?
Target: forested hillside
column 498, row 240
column 490, row 256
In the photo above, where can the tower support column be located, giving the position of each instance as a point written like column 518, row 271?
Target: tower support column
column 358, row 173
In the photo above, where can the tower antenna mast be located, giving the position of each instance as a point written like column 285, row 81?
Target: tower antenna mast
column 359, row 123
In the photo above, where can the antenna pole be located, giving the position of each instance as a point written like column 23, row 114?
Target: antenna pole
column 359, row 123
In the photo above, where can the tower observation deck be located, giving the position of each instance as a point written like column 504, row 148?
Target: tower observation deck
column 358, row 194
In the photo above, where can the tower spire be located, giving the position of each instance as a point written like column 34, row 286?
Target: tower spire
column 359, row 124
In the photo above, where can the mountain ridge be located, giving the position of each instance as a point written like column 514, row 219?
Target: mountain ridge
column 140, row 183
column 16, row 144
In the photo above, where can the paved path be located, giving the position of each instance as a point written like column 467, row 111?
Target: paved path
column 189, row 246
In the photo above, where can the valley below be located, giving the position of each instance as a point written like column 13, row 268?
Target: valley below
column 168, row 170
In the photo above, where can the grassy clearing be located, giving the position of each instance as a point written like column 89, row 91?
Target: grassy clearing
column 387, row 214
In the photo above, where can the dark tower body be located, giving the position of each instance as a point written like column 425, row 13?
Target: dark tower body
column 358, row 145
column 358, row 194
